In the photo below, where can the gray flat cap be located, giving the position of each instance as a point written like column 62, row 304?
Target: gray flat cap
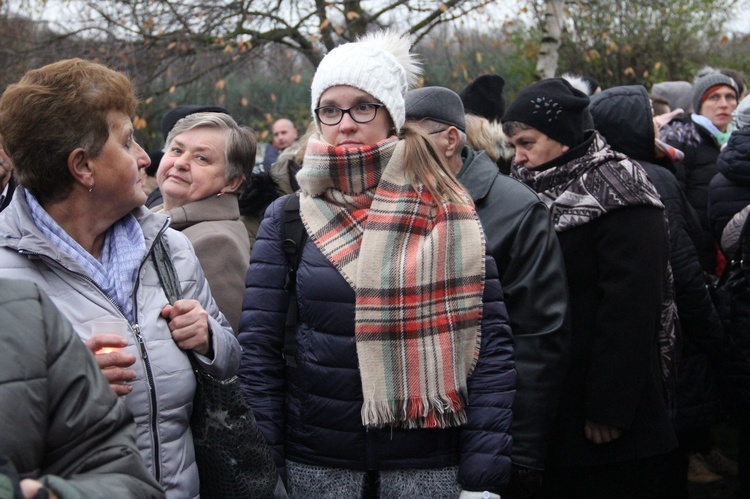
column 437, row 104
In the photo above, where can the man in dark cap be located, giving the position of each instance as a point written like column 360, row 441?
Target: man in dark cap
column 520, row 237
column 613, row 429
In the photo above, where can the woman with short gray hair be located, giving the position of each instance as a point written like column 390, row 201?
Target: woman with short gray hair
column 204, row 164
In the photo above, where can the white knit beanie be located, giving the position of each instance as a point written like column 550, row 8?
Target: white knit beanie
column 742, row 113
column 379, row 64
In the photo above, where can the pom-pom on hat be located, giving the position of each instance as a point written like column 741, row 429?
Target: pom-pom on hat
column 437, row 104
column 554, row 108
column 704, row 84
column 484, row 97
column 379, row 64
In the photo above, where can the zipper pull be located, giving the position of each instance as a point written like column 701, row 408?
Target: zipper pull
column 141, row 343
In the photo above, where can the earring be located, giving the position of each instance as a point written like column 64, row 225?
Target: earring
column 91, row 187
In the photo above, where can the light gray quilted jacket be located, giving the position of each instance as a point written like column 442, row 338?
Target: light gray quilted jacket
column 162, row 395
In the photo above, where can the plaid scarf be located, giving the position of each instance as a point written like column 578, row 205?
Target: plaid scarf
column 419, row 289
column 586, row 188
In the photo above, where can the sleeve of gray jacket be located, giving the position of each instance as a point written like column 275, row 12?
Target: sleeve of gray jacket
column 535, row 291
column 88, row 435
column 730, row 237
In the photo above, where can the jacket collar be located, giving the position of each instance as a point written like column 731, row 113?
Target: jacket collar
column 19, row 232
column 478, row 173
column 210, row 209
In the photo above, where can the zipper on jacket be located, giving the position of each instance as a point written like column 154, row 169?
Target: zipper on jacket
column 154, row 418
column 370, row 449
column 153, row 423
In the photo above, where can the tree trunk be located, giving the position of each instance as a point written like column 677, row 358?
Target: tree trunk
column 546, row 65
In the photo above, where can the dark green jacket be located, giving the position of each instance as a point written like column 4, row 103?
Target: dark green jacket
column 60, row 423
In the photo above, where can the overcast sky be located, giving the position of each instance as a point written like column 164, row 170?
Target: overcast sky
column 60, row 10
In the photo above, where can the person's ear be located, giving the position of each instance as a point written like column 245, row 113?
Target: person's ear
column 454, row 142
column 233, row 185
column 81, row 167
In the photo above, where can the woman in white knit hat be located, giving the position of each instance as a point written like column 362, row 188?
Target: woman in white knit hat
column 400, row 380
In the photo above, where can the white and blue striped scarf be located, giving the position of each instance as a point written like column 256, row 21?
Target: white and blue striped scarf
column 123, row 251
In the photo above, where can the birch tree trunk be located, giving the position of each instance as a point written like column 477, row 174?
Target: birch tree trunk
column 546, row 65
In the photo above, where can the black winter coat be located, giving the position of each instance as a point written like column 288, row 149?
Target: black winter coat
column 311, row 414
column 616, row 267
column 521, row 239
column 694, row 173
column 623, row 116
column 616, row 291
column 729, row 190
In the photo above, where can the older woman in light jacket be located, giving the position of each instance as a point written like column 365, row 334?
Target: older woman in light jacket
column 77, row 227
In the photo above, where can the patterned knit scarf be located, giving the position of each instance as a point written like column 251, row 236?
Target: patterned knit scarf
column 586, row 188
column 419, row 285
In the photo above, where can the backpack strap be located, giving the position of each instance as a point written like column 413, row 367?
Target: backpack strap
column 293, row 235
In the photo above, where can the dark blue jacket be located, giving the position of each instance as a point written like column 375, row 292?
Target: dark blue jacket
column 311, row 414
column 729, row 190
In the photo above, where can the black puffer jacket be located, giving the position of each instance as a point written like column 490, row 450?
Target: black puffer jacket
column 729, row 190
column 60, row 423
column 694, row 173
column 623, row 116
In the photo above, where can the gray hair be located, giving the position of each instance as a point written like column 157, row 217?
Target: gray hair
column 239, row 145
column 510, row 128
column 432, row 126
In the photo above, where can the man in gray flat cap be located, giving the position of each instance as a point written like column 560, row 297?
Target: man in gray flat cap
column 522, row 240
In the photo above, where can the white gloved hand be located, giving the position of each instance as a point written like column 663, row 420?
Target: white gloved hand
column 465, row 494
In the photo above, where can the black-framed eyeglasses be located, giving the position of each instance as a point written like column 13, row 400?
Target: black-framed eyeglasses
column 437, row 131
column 361, row 113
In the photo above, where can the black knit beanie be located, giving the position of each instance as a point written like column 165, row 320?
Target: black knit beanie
column 554, row 108
column 484, row 97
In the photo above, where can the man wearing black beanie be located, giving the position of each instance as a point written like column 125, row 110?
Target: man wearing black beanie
column 613, row 430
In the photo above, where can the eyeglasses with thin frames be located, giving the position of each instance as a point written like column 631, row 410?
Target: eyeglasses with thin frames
column 361, row 113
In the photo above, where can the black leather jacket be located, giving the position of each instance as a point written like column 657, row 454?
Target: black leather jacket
column 521, row 239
